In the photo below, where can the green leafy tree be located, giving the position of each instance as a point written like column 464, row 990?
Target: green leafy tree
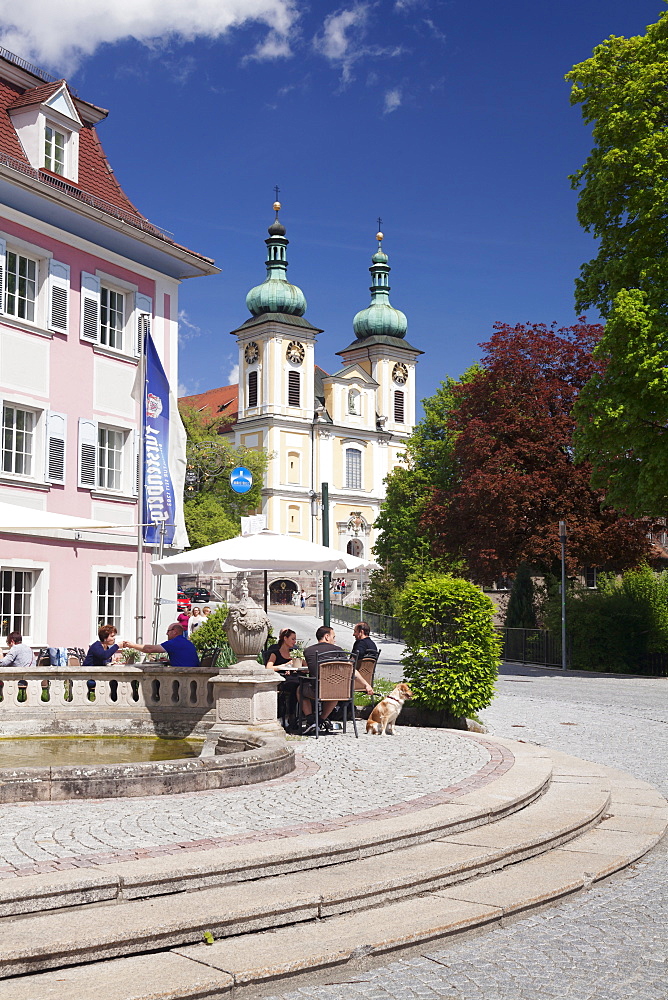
column 623, row 92
column 403, row 545
column 623, row 192
column 521, row 611
column 212, row 510
column 622, row 412
column 614, row 628
column 452, row 648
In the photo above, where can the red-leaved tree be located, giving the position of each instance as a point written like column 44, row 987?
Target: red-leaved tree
column 515, row 474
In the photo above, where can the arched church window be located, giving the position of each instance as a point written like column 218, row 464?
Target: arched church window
column 355, row 548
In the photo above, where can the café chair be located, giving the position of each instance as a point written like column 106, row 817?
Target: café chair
column 366, row 666
column 334, row 681
column 209, row 657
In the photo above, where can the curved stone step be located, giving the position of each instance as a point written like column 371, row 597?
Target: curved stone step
column 523, row 783
column 131, row 927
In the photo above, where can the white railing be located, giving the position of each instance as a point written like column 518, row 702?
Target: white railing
column 144, row 690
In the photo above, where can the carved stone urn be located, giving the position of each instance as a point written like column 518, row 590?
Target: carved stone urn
column 246, row 691
column 247, row 627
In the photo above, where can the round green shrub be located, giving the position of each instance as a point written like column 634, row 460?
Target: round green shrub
column 211, row 633
column 452, row 651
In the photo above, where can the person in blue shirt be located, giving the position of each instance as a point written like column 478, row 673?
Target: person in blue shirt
column 181, row 651
column 101, row 652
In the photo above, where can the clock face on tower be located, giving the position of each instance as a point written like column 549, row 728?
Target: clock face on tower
column 251, row 353
column 400, row 374
column 295, row 352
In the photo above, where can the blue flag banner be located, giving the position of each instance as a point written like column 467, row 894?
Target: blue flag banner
column 159, row 494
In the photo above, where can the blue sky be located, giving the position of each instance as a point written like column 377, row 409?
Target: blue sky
column 451, row 120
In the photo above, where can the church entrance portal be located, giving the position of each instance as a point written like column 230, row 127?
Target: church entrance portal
column 281, row 591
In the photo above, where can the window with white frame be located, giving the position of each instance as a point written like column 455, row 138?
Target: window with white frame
column 112, row 317
column 113, row 313
column 591, row 577
column 16, row 601
column 110, row 445
column 18, row 429
column 54, row 149
column 353, row 469
column 110, row 591
column 34, row 288
column 20, row 286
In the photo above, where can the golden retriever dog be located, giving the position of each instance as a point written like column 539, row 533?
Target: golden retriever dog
column 385, row 713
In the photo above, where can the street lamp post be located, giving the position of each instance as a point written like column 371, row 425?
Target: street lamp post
column 562, row 539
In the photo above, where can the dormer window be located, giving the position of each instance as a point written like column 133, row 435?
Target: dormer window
column 54, row 150
column 47, row 123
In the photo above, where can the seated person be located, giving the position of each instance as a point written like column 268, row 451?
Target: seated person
column 278, row 654
column 19, row 655
column 363, row 644
column 325, row 637
column 100, row 652
column 181, row 651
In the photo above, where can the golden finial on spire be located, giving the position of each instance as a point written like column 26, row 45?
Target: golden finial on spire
column 277, row 204
column 379, row 235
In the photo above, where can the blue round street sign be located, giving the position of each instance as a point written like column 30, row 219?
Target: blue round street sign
column 241, row 479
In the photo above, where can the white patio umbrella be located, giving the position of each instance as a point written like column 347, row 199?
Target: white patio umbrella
column 15, row 518
column 265, row 550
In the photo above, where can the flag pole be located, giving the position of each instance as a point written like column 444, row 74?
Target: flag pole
column 139, row 607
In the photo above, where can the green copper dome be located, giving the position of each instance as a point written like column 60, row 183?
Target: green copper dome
column 380, row 319
column 276, row 294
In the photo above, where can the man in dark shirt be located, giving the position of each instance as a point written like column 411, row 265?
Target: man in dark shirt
column 181, row 651
column 363, row 644
column 325, row 637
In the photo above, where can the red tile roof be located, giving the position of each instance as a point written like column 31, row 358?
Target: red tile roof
column 95, row 174
column 35, row 95
column 221, row 402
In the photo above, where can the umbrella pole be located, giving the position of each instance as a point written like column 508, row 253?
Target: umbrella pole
column 265, row 590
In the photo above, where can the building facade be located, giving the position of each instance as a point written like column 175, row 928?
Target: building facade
column 82, row 276
column 347, row 429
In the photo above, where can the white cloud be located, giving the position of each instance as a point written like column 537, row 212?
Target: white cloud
column 187, row 330
column 233, row 375
column 336, row 43
column 342, row 40
column 392, row 100
column 60, row 35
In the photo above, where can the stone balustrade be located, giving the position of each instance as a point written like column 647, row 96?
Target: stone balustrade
column 49, row 698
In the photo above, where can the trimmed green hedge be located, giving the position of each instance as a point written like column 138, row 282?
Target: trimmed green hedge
column 452, row 648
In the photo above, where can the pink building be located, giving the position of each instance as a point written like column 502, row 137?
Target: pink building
column 81, row 272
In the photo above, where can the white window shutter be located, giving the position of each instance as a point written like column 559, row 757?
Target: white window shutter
column 90, row 307
column 87, row 453
column 56, row 434
column 143, row 316
column 59, row 296
column 136, row 457
column 3, row 250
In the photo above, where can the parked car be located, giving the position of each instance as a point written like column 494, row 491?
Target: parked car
column 183, row 601
column 198, row 595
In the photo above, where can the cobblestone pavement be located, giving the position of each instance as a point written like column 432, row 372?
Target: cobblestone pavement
column 412, row 764
column 605, row 944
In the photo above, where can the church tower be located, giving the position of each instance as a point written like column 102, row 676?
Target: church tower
column 382, row 350
column 277, row 389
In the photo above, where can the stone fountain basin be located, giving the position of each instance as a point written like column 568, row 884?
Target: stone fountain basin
column 226, row 761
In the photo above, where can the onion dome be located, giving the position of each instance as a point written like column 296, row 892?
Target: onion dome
column 380, row 318
column 276, row 294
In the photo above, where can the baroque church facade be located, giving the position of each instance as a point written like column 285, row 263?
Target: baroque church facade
column 347, row 429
